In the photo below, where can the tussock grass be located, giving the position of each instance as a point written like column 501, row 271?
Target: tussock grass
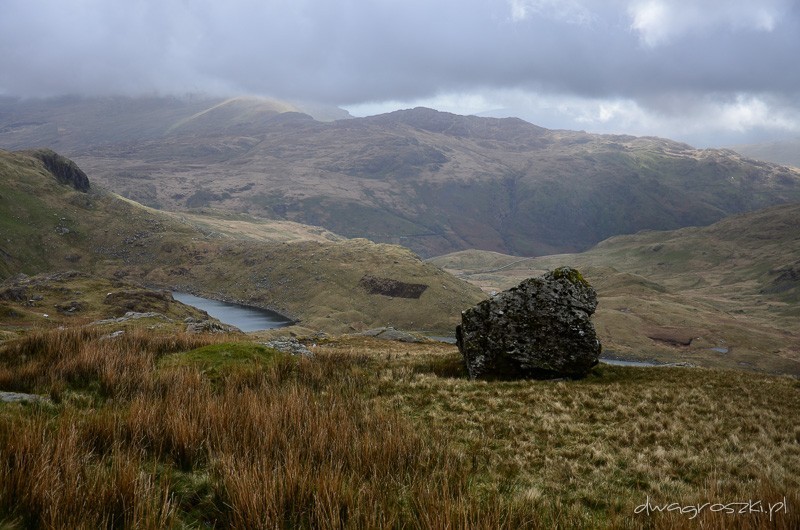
column 50, row 361
column 294, row 443
column 52, row 477
column 373, row 434
column 593, row 450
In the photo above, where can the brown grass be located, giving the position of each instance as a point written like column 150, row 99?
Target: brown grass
column 52, row 477
column 372, row 434
column 49, row 361
column 588, row 452
column 294, row 444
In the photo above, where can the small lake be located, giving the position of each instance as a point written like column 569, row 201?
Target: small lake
column 243, row 317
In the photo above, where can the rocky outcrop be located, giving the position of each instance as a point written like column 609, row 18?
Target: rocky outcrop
column 131, row 315
column 390, row 287
column 138, row 301
column 63, row 169
column 194, row 325
column 541, row 328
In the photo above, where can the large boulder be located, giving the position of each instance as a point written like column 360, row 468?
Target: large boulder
column 541, row 328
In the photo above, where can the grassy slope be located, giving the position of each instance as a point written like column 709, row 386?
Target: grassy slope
column 158, row 431
column 731, row 285
column 306, row 273
column 74, row 298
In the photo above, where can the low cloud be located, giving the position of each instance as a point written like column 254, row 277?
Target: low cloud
column 650, row 53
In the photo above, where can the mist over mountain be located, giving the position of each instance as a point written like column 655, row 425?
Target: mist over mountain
column 785, row 152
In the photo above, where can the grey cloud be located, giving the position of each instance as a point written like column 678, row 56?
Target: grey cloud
column 352, row 51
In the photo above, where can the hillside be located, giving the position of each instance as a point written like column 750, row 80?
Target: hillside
column 726, row 295
column 306, row 273
column 432, row 181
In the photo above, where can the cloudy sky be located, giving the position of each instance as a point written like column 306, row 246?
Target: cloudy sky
column 711, row 72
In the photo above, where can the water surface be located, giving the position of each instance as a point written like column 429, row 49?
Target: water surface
column 243, row 317
column 620, row 362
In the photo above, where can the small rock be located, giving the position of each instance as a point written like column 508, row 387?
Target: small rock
column 389, row 333
column 208, row 326
column 17, row 397
column 132, row 315
column 289, row 345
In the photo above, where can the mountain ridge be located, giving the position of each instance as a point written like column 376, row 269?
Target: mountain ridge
column 434, row 182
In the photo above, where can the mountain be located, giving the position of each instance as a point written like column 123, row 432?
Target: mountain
column 725, row 295
column 53, row 220
column 70, row 123
column 786, row 152
column 432, row 181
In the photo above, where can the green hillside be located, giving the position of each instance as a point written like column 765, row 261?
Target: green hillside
column 305, row 273
column 723, row 295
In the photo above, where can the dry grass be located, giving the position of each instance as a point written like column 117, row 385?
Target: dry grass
column 51, row 361
column 293, row 443
column 593, row 450
column 373, row 434
column 52, row 477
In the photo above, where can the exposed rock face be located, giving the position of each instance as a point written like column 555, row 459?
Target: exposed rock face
column 540, row 328
column 390, row 287
column 63, row 169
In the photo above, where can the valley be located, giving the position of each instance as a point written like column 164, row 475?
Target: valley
column 307, row 274
column 141, row 411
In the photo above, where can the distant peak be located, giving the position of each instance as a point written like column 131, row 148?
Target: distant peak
column 459, row 125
